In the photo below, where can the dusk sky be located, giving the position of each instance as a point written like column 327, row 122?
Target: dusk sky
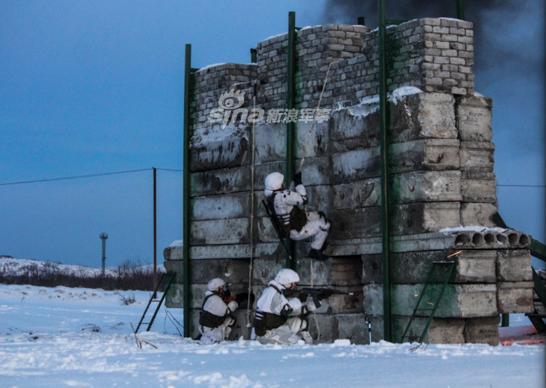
column 90, row 87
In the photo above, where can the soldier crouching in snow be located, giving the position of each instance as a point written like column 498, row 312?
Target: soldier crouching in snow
column 281, row 318
column 295, row 222
column 216, row 316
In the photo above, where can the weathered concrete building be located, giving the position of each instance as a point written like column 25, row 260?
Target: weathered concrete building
column 441, row 165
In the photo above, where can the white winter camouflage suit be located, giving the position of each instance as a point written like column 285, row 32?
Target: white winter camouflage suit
column 216, row 305
column 316, row 226
column 294, row 329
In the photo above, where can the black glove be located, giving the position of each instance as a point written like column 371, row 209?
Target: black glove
column 286, row 311
column 297, row 178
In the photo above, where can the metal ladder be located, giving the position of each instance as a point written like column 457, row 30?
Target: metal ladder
column 536, row 318
column 164, row 283
column 426, row 306
column 538, row 250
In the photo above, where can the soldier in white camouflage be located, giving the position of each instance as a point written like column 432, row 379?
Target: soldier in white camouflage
column 216, row 316
column 294, row 221
column 281, row 318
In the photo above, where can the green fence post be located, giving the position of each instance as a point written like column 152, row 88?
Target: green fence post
column 186, row 205
column 291, row 126
column 460, row 9
column 384, row 145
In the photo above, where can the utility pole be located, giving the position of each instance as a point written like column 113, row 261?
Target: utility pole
column 154, row 171
column 103, row 236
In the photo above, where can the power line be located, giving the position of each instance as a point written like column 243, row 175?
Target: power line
column 169, row 169
column 72, row 177
column 518, row 185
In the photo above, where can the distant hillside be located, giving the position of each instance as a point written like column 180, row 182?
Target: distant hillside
column 46, row 273
column 10, row 266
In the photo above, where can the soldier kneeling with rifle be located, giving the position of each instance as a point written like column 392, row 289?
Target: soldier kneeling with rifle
column 282, row 309
column 281, row 318
column 216, row 317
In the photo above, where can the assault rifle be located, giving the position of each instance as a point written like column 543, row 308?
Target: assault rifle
column 318, row 294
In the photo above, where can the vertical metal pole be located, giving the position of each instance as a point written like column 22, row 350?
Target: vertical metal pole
column 384, row 143
column 154, row 172
column 103, row 257
column 291, row 104
column 186, row 193
column 460, row 9
column 103, row 236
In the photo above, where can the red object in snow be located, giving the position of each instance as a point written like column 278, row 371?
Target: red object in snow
column 520, row 335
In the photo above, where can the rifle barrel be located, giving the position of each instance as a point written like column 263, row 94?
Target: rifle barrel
column 331, row 291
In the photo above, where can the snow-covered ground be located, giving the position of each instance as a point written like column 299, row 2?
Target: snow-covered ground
column 60, row 336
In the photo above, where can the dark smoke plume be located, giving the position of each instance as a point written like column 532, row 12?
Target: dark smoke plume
column 490, row 18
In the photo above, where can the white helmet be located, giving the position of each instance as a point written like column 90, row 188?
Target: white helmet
column 273, row 182
column 286, row 277
column 215, row 284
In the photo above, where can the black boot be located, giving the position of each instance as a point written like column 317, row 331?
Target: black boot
column 317, row 255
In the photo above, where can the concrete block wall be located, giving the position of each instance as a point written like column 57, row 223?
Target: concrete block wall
column 332, row 151
column 484, row 285
column 424, row 165
column 478, row 178
column 211, row 81
column 220, row 158
column 441, row 160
